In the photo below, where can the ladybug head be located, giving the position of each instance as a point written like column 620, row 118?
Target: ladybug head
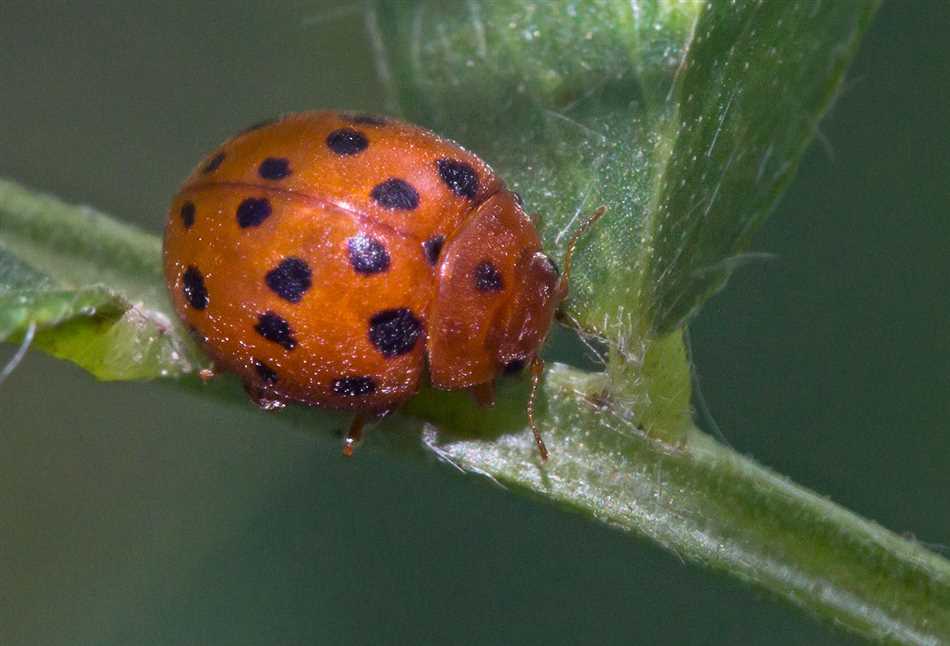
column 535, row 300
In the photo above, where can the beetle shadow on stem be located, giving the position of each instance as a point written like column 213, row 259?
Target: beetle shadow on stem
column 458, row 414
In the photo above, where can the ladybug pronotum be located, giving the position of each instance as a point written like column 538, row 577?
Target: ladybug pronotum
column 332, row 258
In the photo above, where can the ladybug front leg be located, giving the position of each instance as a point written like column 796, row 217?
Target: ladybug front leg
column 537, row 370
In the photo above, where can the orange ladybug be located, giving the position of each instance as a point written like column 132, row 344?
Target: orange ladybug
column 328, row 258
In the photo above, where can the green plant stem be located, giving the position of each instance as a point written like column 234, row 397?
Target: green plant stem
column 706, row 503
column 701, row 500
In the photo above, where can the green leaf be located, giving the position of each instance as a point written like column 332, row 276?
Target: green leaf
column 91, row 286
column 565, row 99
column 685, row 119
column 750, row 93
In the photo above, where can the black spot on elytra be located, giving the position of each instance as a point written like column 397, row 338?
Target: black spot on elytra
column 265, row 372
column 187, row 213
column 193, row 286
column 274, row 168
column 367, row 255
column 354, row 386
column 394, row 332
column 252, row 211
column 290, row 279
column 213, row 164
column 432, row 248
column 274, row 327
column 458, row 176
column 514, row 366
column 365, row 119
column 395, row 194
column 488, row 278
column 347, row 141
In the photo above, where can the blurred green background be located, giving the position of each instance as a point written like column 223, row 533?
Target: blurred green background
column 140, row 514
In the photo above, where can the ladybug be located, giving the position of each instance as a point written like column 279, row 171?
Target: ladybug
column 332, row 258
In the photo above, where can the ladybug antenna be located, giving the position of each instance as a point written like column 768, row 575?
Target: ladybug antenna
column 537, row 368
column 572, row 243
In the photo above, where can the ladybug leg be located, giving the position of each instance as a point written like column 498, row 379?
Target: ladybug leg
column 484, row 394
column 537, row 369
column 354, row 436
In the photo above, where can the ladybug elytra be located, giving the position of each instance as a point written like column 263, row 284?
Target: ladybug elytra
column 330, row 258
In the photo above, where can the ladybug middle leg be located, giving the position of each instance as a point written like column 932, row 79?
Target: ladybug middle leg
column 355, row 435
